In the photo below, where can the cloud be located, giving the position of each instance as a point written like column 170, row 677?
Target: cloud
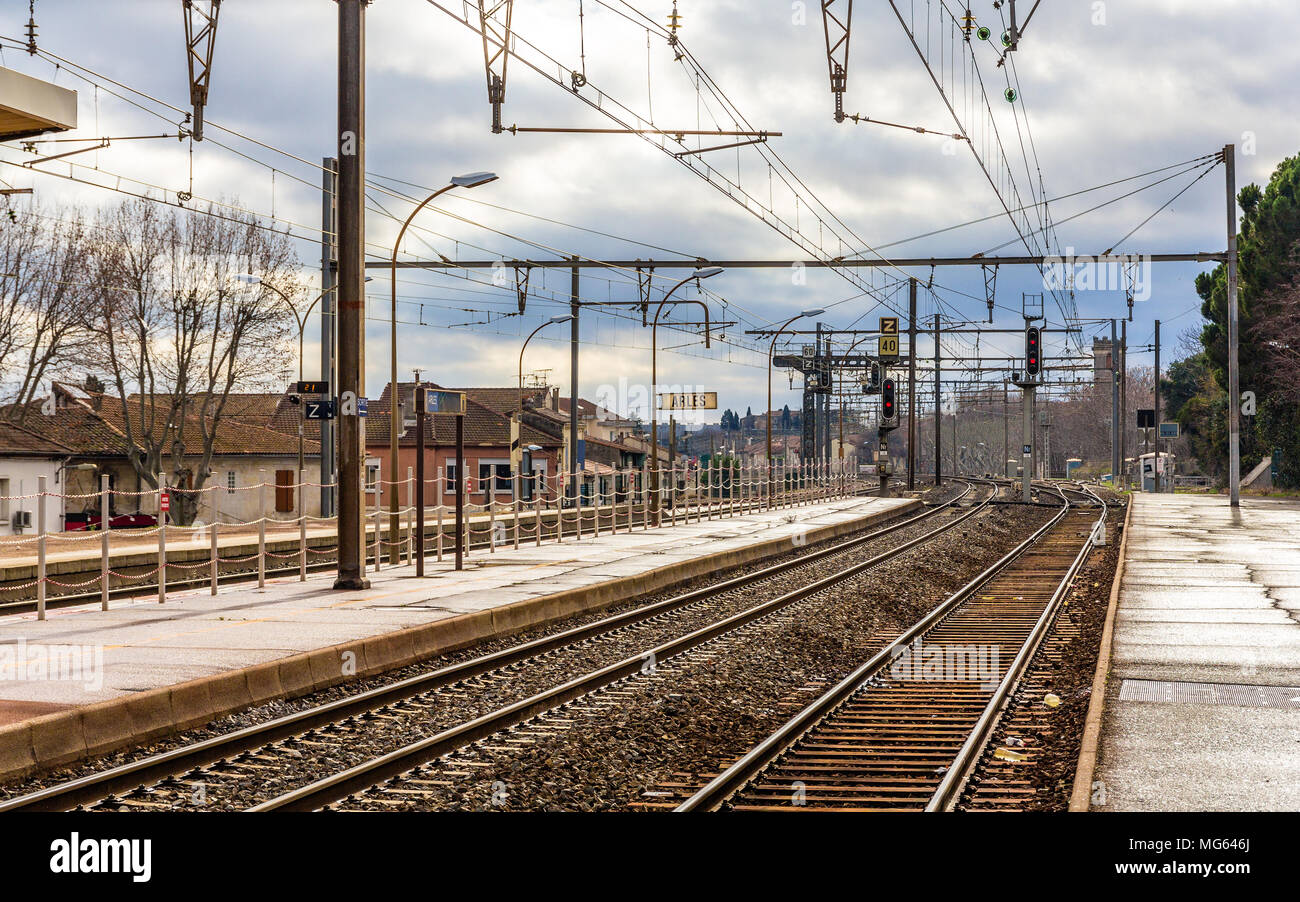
column 1160, row 81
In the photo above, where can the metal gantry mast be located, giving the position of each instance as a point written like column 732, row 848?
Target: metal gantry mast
column 200, row 37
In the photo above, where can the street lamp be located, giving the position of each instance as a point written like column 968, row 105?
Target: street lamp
column 472, row 180
column 706, row 273
column 767, row 414
column 516, row 450
column 770, row 351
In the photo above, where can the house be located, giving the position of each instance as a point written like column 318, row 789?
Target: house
column 487, row 447
column 25, row 456
column 94, row 427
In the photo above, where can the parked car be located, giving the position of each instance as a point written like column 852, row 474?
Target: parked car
column 88, row 522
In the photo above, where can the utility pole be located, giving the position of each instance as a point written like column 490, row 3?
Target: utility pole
column 1123, row 400
column 911, row 385
column 938, row 408
column 420, row 405
column 672, row 463
column 1156, row 392
column 1027, row 452
column 956, row 456
column 1114, row 408
column 328, row 327
column 1234, row 376
column 1006, row 437
column 575, row 306
column 351, row 291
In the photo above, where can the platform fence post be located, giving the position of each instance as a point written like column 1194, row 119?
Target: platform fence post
column 40, row 546
column 410, row 515
column 214, row 554
column 438, row 490
column 162, row 542
column 261, row 528
column 103, row 541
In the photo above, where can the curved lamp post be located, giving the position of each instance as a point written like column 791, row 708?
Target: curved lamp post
column 517, row 464
column 767, row 417
column 472, row 180
column 707, row 272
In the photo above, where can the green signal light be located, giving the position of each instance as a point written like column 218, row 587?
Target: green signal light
column 1010, row 94
column 983, row 33
column 1006, row 39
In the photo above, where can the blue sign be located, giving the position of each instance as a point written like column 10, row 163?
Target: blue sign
column 1169, row 430
column 362, row 404
column 444, row 401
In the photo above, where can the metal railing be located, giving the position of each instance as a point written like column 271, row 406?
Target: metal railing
column 536, row 508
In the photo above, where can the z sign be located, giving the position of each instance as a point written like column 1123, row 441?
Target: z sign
column 318, row 410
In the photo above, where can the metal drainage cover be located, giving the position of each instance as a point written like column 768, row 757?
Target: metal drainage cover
column 1238, row 694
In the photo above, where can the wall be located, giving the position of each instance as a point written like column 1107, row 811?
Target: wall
column 22, row 473
column 241, row 506
column 436, row 460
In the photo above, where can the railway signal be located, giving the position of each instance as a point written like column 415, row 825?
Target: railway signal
column 888, row 410
column 1033, row 361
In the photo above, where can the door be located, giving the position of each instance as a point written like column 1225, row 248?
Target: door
column 283, row 491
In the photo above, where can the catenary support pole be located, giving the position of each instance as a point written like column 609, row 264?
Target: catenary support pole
column 1234, row 374
column 328, row 326
column 938, row 406
column 911, row 385
column 1114, row 406
column 1155, row 463
column 351, row 294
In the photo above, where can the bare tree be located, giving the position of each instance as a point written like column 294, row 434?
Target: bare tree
column 54, row 314
column 176, row 328
column 21, row 262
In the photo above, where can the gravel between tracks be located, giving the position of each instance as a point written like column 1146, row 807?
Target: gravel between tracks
column 489, row 699
column 697, row 713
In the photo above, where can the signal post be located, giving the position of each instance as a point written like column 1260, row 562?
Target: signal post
column 1033, row 366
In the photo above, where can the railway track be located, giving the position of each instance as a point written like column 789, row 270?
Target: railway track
column 894, row 735
column 177, row 777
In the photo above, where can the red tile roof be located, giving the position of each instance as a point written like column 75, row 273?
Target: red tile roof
column 19, row 441
column 483, row 426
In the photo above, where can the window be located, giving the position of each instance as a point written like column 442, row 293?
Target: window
column 372, row 475
column 450, row 486
column 4, row 499
column 230, row 482
column 503, row 477
column 283, row 491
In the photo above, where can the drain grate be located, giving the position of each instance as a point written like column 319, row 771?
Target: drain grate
column 1239, row 694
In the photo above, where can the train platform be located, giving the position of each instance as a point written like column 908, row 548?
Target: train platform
column 1202, row 702
column 87, row 681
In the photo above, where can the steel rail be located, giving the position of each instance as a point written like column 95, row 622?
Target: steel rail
column 958, row 775
column 375, row 771
column 722, row 787
column 95, row 787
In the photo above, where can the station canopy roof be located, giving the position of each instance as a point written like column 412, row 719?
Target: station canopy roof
column 30, row 106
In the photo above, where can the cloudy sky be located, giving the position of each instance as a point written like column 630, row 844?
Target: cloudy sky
column 1106, row 91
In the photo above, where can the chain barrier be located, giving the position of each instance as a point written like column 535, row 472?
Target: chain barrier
column 704, row 492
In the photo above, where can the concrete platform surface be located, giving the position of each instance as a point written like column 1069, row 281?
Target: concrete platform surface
column 82, row 655
column 1208, row 613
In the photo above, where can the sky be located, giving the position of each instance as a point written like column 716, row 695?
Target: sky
column 1106, row 91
